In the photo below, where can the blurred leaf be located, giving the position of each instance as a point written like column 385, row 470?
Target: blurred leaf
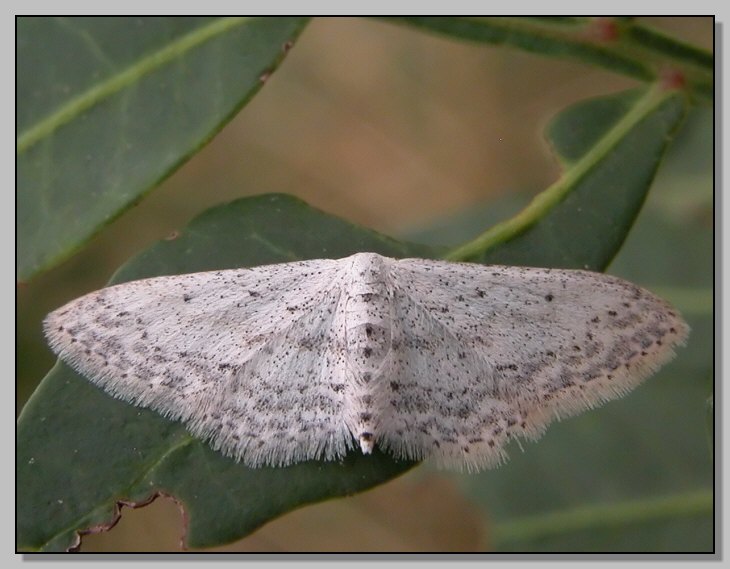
column 585, row 528
column 617, row 44
column 581, row 126
column 108, row 107
column 646, row 449
column 69, row 478
column 623, row 458
column 710, row 424
column 610, row 167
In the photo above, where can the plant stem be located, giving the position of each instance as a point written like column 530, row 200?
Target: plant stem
column 606, row 516
column 553, row 195
column 617, row 44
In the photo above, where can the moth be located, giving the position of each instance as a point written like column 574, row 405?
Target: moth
column 289, row 362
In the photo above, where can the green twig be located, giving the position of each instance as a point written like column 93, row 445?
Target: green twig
column 671, row 48
column 601, row 517
column 616, row 44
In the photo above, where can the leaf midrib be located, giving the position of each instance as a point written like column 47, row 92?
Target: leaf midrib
column 549, row 198
column 126, row 77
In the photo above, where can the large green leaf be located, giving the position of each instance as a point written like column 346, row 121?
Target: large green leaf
column 108, row 107
column 80, row 451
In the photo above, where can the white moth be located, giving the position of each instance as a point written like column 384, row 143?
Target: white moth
column 283, row 363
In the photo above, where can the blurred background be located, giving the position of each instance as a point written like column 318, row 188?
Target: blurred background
column 427, row 138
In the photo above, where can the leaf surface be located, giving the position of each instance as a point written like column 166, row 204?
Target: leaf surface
column 108, row 107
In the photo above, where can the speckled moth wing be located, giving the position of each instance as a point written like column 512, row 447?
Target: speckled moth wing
column 490, row 352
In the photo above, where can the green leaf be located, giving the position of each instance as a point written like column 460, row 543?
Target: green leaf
column 710, row 424
column 80, row 451
column 617, row 44
column 108, row 107
column 610, row 166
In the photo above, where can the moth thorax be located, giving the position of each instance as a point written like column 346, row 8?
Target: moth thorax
column 367, row 316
